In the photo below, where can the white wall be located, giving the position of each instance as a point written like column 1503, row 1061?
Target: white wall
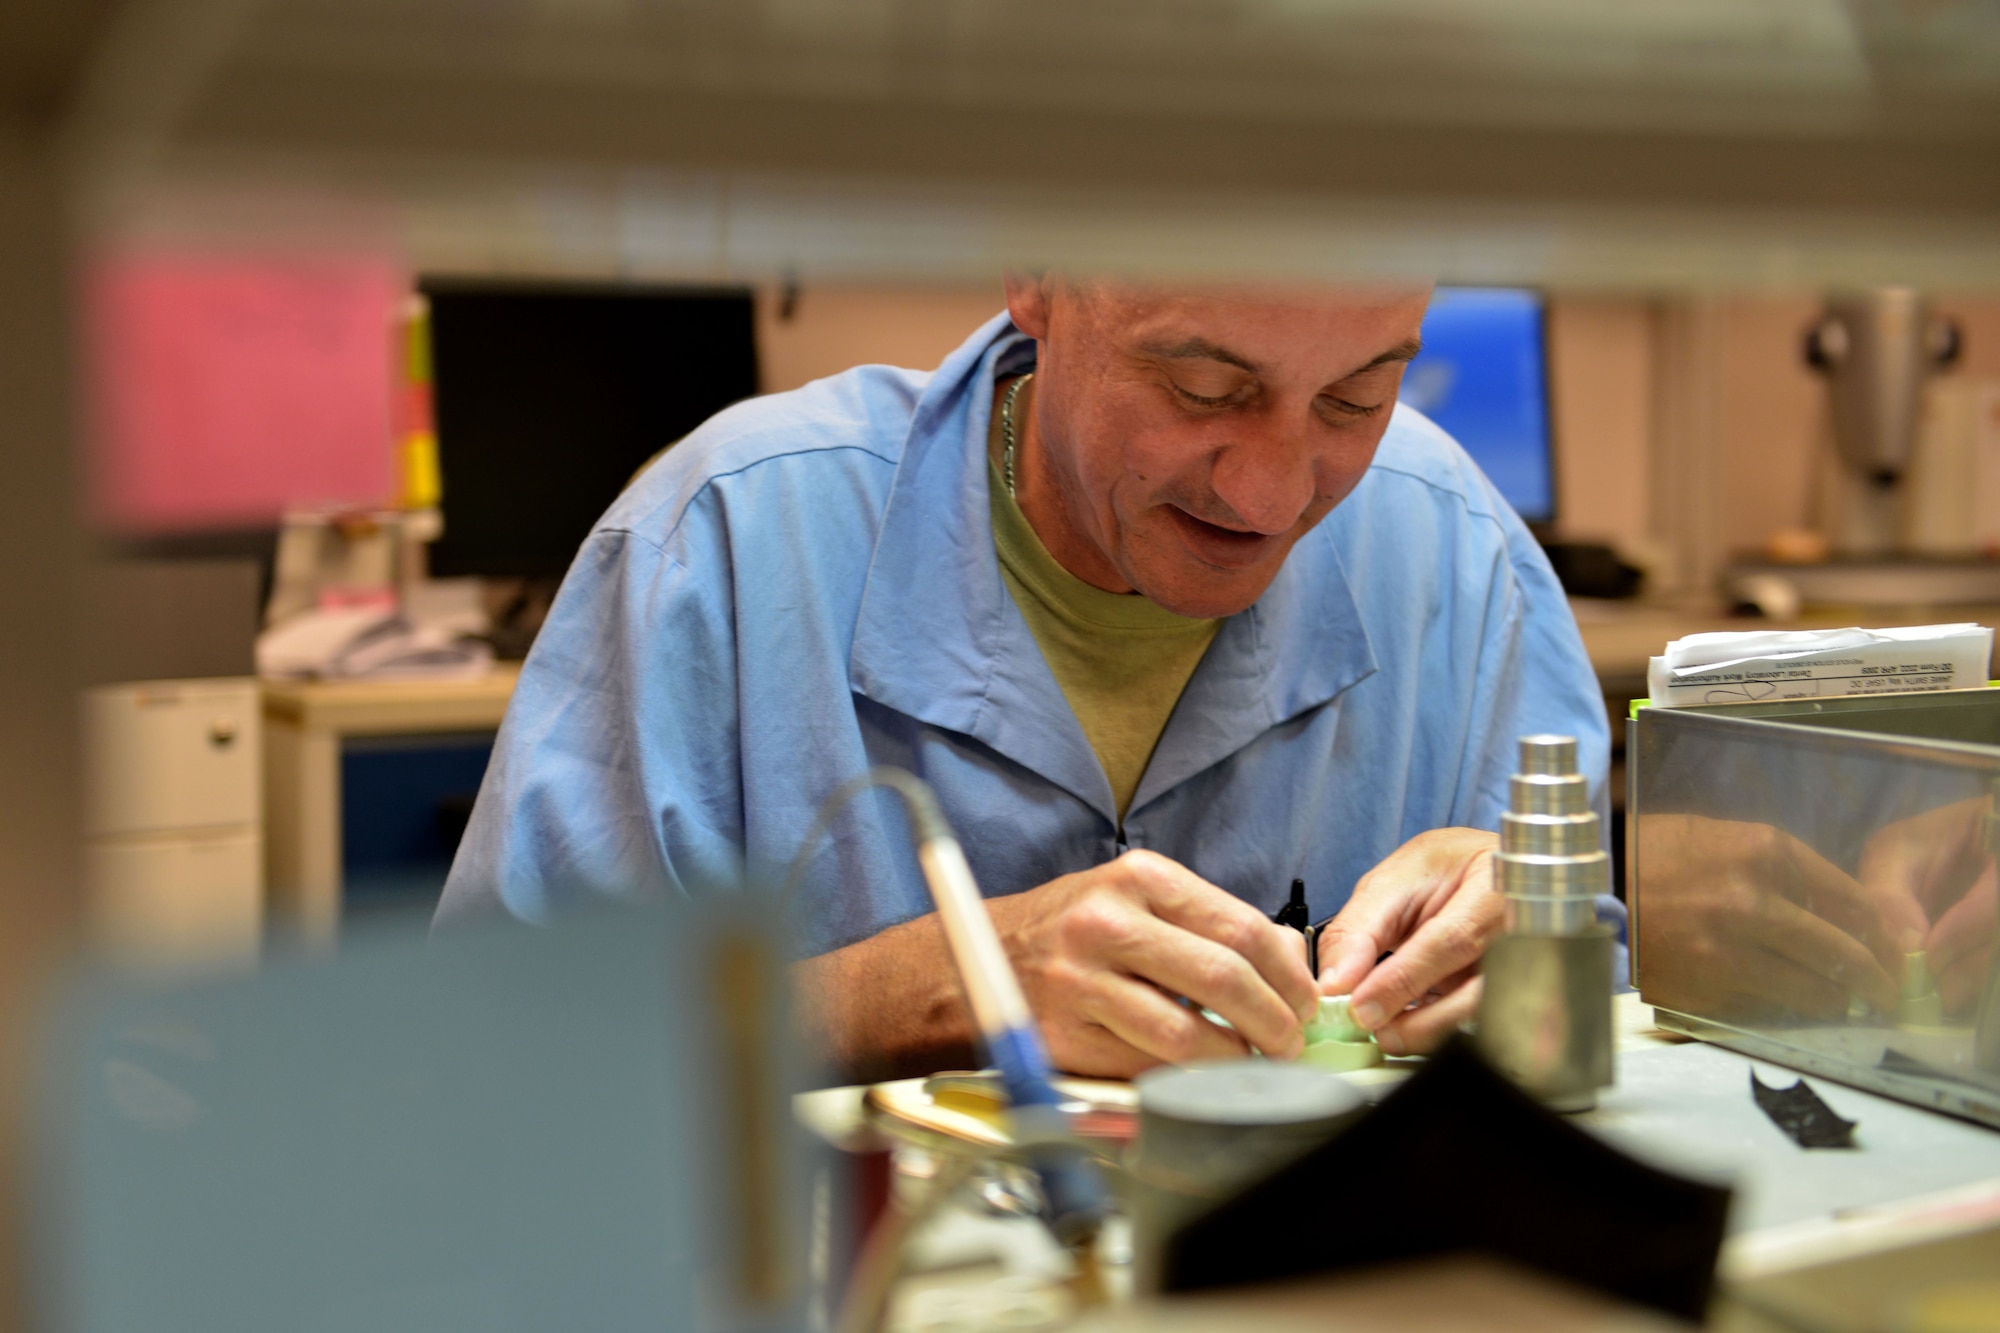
column 834, row 327
column 1600, row 387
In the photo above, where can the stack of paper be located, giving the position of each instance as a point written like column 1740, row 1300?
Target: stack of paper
column 1803, row 664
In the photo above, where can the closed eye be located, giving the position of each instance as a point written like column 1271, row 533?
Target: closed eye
column 1346, row 409
column 1203, row 400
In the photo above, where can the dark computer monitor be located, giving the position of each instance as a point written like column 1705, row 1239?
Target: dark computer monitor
column 1483, row 376
column 550, row 395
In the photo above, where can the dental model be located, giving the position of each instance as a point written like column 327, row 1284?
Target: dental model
column 1335, row 1041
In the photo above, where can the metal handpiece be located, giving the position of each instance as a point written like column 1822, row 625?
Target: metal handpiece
column 1074, row 1191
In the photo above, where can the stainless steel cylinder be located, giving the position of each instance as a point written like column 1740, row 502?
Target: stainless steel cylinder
column 1545, row 1015
column 1551, row 845
column 1537, row 914
column 1207, row 1131
column 1545, row 1010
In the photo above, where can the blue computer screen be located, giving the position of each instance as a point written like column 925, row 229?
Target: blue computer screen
column 1482, row 377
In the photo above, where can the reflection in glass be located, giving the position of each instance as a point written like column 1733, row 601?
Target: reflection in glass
column 1825, row 892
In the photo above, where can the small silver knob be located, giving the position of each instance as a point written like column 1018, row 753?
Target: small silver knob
column 1548, row 754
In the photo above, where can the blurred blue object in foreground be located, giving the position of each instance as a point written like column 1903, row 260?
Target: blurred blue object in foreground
column 584, row 1127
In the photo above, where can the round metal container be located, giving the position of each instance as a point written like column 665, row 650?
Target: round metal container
column 1207, row 1131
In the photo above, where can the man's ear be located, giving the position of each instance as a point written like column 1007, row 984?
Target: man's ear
column 1028, row 296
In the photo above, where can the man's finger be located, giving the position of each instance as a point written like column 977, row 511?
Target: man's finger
column 1162, row 1029
column 1423, row 1029
column 1877, row 919
column 1455, row 980
column 1446, row 944
column 1959, row 948
column 1416, row 883
column 1966, row 927
column 1822, row 949
column 1917, row 866
column 1351, row 942
column 1219, row 978
column 1794, row 990
column 1182, row 898
column 1962, row 983
column 1091, row 1048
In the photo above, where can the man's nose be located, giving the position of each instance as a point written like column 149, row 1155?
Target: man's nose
column 1266, row 479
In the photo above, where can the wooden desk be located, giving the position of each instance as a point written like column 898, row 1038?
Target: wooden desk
column 304, row 725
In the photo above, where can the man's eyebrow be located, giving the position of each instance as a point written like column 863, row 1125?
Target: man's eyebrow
column 1190, row 348
column 1403, row 351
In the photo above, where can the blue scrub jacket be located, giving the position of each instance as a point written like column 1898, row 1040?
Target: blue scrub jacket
column 807, row 586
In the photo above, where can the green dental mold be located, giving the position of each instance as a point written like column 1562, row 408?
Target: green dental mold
column 1335, row 1041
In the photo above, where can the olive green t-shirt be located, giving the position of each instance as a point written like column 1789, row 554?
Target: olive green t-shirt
column 1121, row 659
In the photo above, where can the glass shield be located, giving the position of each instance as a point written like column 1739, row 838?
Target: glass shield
column 1814, row 883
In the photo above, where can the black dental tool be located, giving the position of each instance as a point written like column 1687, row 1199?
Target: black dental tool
column 1298, row 916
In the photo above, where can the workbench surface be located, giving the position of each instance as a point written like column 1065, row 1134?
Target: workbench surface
column 1687, row 1108
column 1913, row 1174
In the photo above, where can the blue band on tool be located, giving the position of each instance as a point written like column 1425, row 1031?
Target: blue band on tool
column 1072, row 1187
column 1023, row 1066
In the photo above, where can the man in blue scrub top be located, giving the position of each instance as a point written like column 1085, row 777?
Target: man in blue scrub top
column 819, row 581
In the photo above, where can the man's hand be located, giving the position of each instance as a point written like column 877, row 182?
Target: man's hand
column 1936, row 886
column 1105, row 954
column 1432, row 905
column 1742, row 920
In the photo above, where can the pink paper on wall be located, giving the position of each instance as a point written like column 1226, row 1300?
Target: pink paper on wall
column 228, row 388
